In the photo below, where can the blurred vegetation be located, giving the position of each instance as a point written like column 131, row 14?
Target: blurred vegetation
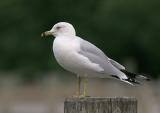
column 122, row 29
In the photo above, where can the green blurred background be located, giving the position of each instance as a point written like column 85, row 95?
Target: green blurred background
column 127, row 31
column 31, row 81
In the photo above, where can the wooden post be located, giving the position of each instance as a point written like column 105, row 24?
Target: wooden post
column 100, row 105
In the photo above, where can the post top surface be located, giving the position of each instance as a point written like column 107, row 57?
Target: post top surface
column 100, row 99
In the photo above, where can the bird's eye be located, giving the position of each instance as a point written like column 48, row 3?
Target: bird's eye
column 58, row 27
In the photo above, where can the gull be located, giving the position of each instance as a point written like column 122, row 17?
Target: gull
column 85, row 59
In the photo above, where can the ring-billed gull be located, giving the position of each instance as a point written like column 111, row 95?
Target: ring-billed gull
column 85, row 59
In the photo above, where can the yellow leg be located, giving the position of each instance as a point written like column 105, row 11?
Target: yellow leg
column 85, row 83
column 78, row 86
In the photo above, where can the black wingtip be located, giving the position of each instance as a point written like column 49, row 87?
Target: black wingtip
column 136, row 76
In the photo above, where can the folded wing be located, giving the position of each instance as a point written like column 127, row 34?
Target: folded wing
column 95, row 55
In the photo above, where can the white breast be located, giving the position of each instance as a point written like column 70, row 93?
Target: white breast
column 64, row 49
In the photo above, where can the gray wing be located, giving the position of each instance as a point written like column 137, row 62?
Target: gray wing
column 116, row 64
column 90, row 48
column 95, row 55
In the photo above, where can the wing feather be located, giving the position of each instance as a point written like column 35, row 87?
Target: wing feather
column 116, row 64
column 97, row 56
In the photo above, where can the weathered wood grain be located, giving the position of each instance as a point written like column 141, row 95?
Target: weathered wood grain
column 100, row 105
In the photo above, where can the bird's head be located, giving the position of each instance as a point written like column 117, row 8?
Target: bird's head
column 60, row 29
